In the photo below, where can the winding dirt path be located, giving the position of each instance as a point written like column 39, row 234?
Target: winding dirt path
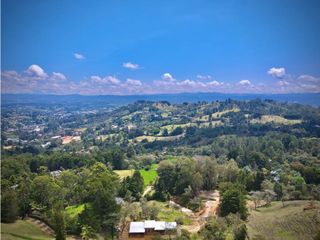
column 199, row 219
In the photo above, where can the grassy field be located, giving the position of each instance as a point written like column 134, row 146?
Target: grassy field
column 124, row 173
column 275, row 119
column 284, row 223
column 23, row 230
column 104, row 137
column 171, row 127
column 213, row 124
column 149, row 176
column 217, row 115
column 156, row 138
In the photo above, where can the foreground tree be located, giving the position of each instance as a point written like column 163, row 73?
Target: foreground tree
column 233, row 201
column 102, row 210
column 215, row 229
column 9, row 206
column 59, row 223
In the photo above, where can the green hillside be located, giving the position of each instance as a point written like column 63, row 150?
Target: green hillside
column 290, row 222
column 23, row 230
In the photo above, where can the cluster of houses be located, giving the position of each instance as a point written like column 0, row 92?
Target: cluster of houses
column 151, row 226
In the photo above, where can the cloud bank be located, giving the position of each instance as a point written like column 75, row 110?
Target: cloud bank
column 36, row 80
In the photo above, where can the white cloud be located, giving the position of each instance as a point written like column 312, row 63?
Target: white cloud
column 245, row 82
column 167, row 77
column 283, row 83
column 79, row 56
column 215, row 83
column 130, row 65
column 187, row 82
column 203, row 77
column 56, row 76
column 36, row 70
column 112, row 80
column 308, row 78
column 133, row 82
column 106, row 80
column 96, row 79
column 36, row 80
column 277, row 72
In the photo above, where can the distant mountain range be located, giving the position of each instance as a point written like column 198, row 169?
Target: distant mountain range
column 302, row 98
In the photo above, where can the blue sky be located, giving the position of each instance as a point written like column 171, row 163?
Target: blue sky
column 136, row 47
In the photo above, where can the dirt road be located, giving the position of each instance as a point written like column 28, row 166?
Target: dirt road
column 198, row 219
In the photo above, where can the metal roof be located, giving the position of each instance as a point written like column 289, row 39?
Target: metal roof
column 140, row 227
column 160, row 226
column 171, row 225
column 149, row 224
column 137, row 227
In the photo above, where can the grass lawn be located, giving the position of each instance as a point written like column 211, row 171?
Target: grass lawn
column 284, row 223
column 23, row 230
column 148, row 176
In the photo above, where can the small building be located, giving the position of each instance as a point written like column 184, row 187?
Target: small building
column 139, row 229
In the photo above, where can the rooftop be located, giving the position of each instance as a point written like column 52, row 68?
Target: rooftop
column 137, row 227
column 140, row 227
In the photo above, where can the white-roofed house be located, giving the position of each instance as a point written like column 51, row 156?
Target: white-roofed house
column 149, row 225
column 160, row 226
column 136, row 228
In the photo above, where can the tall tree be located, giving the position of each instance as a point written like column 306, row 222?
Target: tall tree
column 136, row 185
column 59, row 222
column 9, row 206
column 233, row 201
